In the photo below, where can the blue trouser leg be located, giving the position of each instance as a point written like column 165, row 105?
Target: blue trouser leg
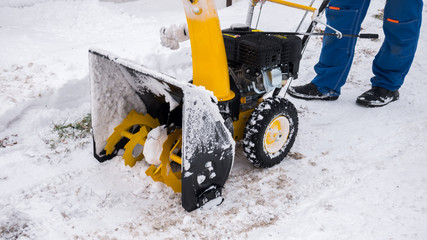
column 402, row 22
column 337, row 54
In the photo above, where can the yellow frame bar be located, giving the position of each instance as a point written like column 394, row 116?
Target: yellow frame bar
column 173, row 156
column 294, row 5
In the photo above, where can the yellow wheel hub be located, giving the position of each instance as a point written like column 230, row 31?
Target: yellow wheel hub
column 276, row 134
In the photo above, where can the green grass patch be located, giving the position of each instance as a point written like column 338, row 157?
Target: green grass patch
column 79, row 129
column 66, row 132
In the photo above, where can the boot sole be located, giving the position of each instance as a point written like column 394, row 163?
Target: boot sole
column 370, row 105
column 307, row 97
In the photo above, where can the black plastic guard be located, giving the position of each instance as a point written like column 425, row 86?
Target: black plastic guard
column 208, row 150
column 118, row 86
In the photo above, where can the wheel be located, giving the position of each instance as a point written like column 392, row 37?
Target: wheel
column 270, row 132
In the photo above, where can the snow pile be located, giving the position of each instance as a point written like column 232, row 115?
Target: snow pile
column 154, row 145
column 20, row 3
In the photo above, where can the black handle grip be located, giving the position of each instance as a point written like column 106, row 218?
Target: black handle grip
column 369, row 35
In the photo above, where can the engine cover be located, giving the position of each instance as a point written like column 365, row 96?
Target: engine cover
column 264, row 51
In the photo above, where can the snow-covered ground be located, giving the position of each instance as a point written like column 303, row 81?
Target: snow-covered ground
column 354, row 173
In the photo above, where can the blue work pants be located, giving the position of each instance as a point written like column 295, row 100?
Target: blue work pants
column 401, row 26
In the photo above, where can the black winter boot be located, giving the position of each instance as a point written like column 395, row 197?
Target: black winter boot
column 377, row 97
column 310, row 92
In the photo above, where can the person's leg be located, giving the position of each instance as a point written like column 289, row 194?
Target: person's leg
column 337, row 54
column 402, row 22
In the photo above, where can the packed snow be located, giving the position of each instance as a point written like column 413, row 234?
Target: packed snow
column 353, row 172
column 153, row 145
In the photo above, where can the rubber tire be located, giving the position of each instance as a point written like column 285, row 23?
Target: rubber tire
column 256, row 126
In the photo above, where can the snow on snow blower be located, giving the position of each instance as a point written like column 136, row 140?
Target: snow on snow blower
column 187, row 131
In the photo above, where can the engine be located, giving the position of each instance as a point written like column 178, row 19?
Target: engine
column 260, row 62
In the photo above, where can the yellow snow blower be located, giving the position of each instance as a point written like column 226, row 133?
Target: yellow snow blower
column 187, row 131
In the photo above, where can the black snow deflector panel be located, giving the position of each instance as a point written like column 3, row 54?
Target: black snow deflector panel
column 208, row 151
column 119, row 86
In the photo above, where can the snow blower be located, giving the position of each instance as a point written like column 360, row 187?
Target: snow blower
column 187, row 131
